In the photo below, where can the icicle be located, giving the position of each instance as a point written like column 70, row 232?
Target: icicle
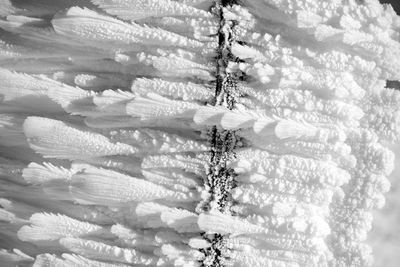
column 182, row 221
column 186, row 163
column 67, row 260
column 138, row 9
column 177, row 66
column 186, row 91
column 111, row 103
column 153, row 141
column 155, row 106
column 101, row 251
column 17, row 85
column 53, row 227
column 98, row 29
column 106, row 187
column 216, row 222
column 39, row 174
column 54, row 139
column 182, row 180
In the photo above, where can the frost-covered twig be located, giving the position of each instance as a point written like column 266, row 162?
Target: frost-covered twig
column 195, row 132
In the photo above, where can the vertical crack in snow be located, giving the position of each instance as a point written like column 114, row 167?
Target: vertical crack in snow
column 220, row 178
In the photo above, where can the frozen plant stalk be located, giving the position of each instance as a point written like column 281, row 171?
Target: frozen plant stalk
column 195, row 132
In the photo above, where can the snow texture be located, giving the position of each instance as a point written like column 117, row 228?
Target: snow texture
column 198, row 133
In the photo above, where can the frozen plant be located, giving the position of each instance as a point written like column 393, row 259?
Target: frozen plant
column 195, row 132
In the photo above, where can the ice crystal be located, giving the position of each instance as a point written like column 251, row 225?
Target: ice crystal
column 195, row 132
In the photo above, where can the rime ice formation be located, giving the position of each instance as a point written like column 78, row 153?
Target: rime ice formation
column 195, row 132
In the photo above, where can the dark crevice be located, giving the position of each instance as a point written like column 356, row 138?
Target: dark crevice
column 394, row 3
column 393, row 84
column 220, row 178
